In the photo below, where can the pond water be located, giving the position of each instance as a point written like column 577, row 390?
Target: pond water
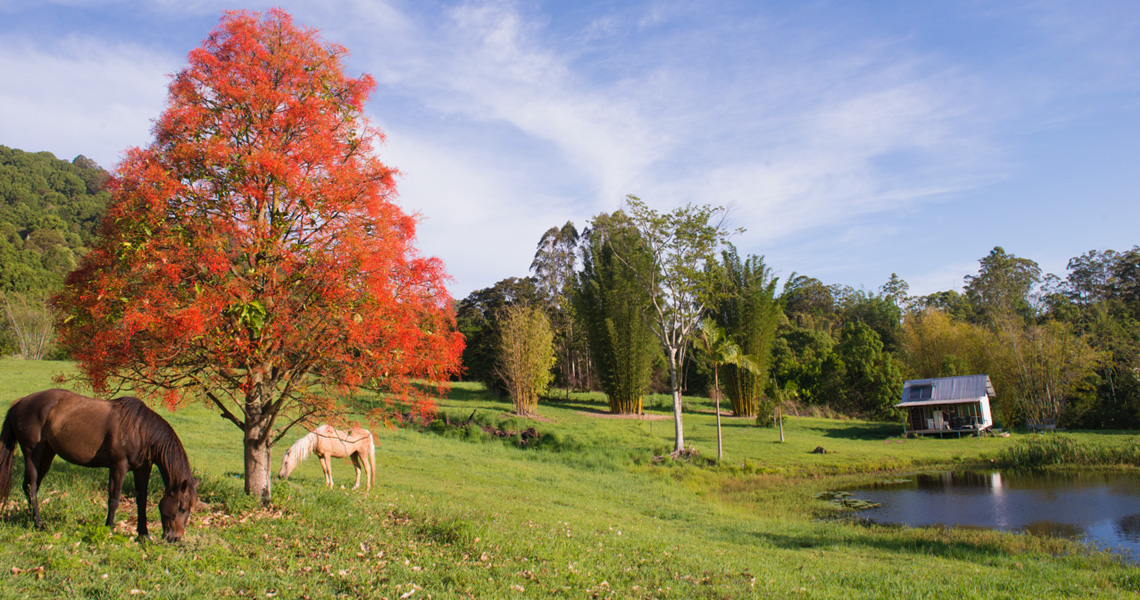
column 1098, row 508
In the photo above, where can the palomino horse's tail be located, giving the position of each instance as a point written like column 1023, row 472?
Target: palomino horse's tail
column 7, row 451
column 371, row 459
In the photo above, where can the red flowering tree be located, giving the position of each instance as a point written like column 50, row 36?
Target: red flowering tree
column 253, row 256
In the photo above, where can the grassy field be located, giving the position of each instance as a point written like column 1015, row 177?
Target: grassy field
column 584, row 512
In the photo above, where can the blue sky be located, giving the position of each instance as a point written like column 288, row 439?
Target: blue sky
column 850, row 139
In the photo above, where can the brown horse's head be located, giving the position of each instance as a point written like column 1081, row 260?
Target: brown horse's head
column 175, row 509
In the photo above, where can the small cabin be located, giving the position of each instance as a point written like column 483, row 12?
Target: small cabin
column 948, row 405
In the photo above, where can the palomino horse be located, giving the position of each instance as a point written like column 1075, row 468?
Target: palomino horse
column 121, row 435
column 326, row 443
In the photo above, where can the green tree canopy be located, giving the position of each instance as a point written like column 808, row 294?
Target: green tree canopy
column 749, row 313
column 614, row 310
column 1002, row 285
column 859, row 376
column 478, row 317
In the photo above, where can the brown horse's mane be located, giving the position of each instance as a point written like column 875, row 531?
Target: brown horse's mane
column 166, row 449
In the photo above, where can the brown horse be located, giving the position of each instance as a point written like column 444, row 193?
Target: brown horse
column 121, row 435
column 326, row 442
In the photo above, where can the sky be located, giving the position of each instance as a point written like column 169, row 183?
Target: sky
column 850, row 140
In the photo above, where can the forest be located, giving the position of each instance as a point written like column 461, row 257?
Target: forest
column 1062, row 349
column 49, row 213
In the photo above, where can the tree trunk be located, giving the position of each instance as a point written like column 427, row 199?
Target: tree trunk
column 780, row 419
column 716, row 391
column 620, row 405
column 675, row 381
column 257, row 467
column 256, row 442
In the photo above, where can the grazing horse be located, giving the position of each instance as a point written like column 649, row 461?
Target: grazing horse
column 121, row 435
column 326, row 442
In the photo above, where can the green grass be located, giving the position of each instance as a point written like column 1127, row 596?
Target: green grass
column 586, row 513
column 1065, row 450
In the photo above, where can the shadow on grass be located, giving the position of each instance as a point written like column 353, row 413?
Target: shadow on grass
column 472, row 394
column 898, row 543
column 863, row 431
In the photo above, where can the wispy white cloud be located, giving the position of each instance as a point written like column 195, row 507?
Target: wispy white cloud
column 507, row 118
column 80, row 95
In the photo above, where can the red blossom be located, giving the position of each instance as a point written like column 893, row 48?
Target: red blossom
column 255, row 245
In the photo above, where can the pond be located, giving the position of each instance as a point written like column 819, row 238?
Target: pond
column 1102, row 509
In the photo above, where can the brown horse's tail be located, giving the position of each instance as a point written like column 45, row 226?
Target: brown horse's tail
column 7, row 451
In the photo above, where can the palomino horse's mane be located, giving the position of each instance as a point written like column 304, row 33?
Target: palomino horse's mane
column 165, row 448
column 299, row 451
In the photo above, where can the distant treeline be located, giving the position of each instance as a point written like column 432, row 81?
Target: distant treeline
column 1060, row 349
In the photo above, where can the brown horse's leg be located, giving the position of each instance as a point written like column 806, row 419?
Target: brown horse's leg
column 37, row 462
column 114, row 488
column 142, row 483
column 356, row 465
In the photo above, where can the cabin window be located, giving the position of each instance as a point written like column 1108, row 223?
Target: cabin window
column 920, row 392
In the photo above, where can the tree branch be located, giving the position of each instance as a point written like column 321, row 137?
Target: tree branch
column 226, row 414
column 274, row 441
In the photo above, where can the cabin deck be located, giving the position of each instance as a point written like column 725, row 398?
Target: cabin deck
column 947, row 432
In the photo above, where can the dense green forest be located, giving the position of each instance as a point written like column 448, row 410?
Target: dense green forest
column 1059, row 348
column 49, row 212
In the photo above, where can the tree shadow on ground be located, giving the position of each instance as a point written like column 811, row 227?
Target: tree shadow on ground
column 941, row 543
column 469, row 394
column 860, row 431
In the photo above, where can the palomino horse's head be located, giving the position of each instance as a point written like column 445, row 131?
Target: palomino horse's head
column 175, row 509
column 286, row 468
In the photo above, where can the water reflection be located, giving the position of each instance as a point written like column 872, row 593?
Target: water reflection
column 1099, row 508
column 1128, row 528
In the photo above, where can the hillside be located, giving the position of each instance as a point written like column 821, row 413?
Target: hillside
column 49, row 211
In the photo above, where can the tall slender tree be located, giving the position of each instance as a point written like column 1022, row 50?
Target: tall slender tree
column 526, row 354
column 681, row 243
column 253, row 255
column 614, row 309
column 749, row 314
column 553, row 268
column 1003, row 285
column 720, row 351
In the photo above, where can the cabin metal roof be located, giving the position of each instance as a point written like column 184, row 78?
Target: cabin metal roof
column 949, row 390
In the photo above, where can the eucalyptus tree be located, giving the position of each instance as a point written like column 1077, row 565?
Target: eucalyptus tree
column 1003, row 285
column 553, row 268
column 682, row 244
column 897, row 290
column 614, row 309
